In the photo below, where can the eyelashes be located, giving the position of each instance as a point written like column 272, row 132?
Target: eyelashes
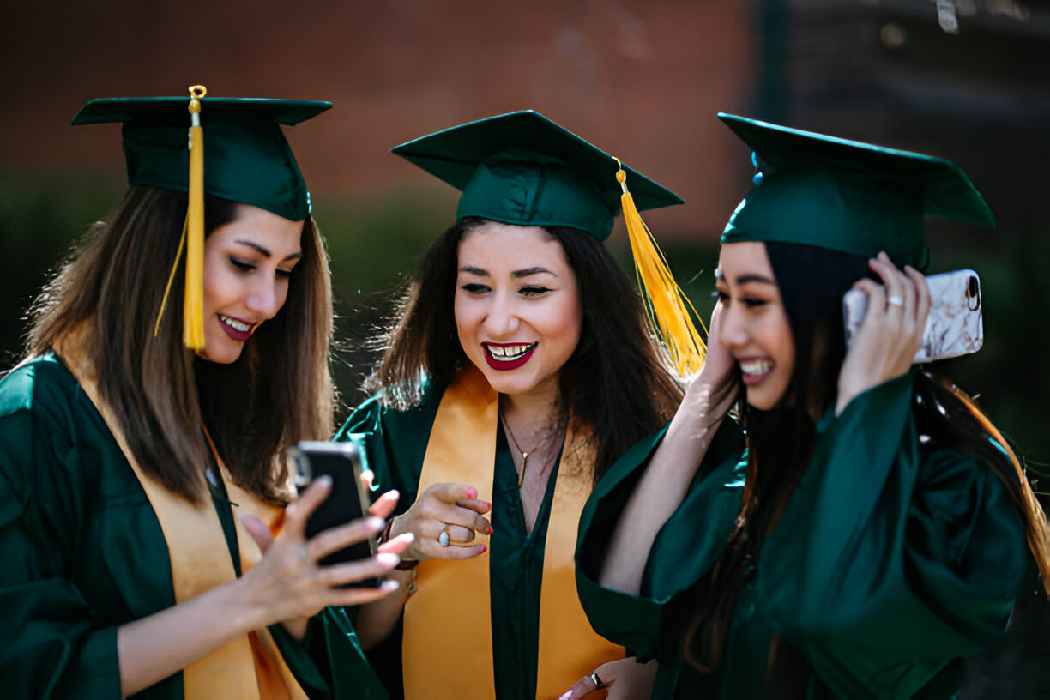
column 750, row 302
column 244, row 267
column 531, row 291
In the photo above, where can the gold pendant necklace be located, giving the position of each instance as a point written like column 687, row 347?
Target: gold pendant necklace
column 514, row 443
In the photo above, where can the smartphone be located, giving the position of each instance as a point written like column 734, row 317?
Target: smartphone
column 954, row 326
column 348, row 500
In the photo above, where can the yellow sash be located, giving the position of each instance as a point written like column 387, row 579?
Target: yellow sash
column 248, row 667
column 447, row 642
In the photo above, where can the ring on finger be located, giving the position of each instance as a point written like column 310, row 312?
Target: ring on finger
column 598, row 684
column 895, row 300
column 443, row 537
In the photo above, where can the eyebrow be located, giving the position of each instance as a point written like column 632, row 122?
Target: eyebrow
column 744, row 279
column 525, row 272
column 265, row 252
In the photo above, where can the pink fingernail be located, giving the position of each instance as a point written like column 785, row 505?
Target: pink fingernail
column 472, row 493
column 387, row 559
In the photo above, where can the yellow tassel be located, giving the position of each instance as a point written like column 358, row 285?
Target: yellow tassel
column 193, row 309
column 667, row 305
column 192, row 237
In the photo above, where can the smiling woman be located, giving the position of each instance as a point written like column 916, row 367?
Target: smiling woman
column 874, row 528
column 153, row 543
column 519, row 367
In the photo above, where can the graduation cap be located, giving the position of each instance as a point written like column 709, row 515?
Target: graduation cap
column 523, row 169
column 249, row 161
column 847, row 196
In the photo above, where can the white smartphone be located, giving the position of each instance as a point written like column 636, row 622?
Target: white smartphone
column 954, row 326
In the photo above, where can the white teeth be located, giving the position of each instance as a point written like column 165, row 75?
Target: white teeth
column 755, row 367
column 508, row 352
column 235, row 324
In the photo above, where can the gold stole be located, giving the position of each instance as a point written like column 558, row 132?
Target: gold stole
column 249, row 667
column 447, row 642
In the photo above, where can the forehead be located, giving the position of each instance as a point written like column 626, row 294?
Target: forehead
column 735, row 259
column 494, row 245
column 259, row 226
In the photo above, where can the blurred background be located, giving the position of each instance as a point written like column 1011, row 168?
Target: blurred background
column 966, row 79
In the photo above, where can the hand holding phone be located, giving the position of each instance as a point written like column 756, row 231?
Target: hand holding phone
column 348, row 500
column 954, row 326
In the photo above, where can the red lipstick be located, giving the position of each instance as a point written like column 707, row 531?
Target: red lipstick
column 240, row 336
column 507, row 362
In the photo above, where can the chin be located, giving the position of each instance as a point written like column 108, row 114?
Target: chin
column 764, row 400
column 221, row 353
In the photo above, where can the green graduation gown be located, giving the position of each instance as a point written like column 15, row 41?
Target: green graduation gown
column 82, row 553
column 395, row 443
column 890, row 564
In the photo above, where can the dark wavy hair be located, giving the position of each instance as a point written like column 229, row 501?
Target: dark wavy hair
column 614, row 383
column 812, row 282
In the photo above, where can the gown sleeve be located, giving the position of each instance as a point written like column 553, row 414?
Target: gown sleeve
column 890, row 559
column 55, row 646
column 680, row 554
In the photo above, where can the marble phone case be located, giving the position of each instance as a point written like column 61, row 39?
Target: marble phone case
column 954, row 325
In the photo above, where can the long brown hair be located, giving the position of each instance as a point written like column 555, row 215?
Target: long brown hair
column 780, row 444
column 614, row 383
column 278, row 392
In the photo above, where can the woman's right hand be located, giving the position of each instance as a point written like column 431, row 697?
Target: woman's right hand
column 288, row 584
column 713, row 391
column 452, row 507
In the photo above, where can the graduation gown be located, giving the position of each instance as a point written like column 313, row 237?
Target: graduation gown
column 890, row 563
column 395, row 444
column 83, row 553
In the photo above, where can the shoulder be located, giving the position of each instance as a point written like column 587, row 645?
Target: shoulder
column 39, row 385
column 375, row 416
column 38, row 432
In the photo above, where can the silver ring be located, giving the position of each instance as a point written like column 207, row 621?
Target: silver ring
column 895, row 301
column 443, row 538
column 598, row 685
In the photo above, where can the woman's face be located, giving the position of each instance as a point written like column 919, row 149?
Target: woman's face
column 754, row 326
column 247, row 264
column 518, row 313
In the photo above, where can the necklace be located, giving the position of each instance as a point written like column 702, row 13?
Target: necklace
column 516, row 446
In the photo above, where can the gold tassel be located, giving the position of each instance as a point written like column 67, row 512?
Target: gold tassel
column 192, row 237
column 667, row 305
column 193, row 310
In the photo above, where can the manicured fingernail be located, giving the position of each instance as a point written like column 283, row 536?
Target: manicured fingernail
column 324, row 480
column 408, row 537
column 484, row 549
column 390, row 585
column 472, row 493
column 392, row 495
column 375, row 523
column 387, row 559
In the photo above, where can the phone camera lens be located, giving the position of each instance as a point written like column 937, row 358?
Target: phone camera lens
column 973, row 292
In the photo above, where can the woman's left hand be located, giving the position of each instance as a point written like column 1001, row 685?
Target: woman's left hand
column 624, row 679
column 891, row 332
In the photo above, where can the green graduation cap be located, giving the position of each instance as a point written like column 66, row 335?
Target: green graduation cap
column 522, row 168
column 248, row 161
column 845, row 195
column 248, row 158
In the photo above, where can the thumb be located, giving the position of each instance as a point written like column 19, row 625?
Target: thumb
column 258, row 530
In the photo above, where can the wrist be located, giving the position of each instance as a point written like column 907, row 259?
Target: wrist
column 247, row 612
